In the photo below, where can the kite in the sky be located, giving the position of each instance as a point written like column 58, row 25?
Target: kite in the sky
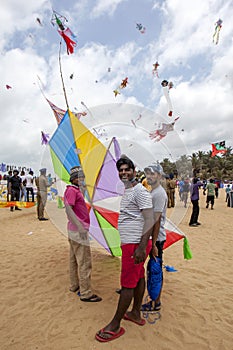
column 121, row 86
column 65, row 32
column 102, row 181
column 116, row 92
column 124, row 83
column 99, row 132
column 135, row 121
column 162, row 131
column 8, row 87
column 58, row 112
column 166, row 87
column 80, row 114
column 155, row 69
column 44, row 138
column 218, row 26
column 141, row 28
column 39, row 21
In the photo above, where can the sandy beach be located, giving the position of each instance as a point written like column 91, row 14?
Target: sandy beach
column 39, row 312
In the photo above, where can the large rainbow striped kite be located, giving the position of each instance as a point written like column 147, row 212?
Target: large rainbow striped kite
column 73, row 144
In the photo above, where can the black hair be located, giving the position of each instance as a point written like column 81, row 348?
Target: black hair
column 126, row 161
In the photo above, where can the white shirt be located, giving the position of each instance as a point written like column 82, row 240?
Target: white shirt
column 29, row 179
column 131, row 221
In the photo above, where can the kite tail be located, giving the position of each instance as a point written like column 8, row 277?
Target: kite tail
column 70, row 44
column 187, row 250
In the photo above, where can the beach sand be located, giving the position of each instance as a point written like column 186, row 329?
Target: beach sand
column 39, row 312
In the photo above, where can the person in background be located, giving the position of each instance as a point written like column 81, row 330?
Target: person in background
column 15, row 186
column 171, row 186
column 42, row 185
column 227, row 191
column 78, row 237
column 210, row 188
column 50, row 180
column 217, row 185
column 23, row 193
column 194, row 190
column 29, row 185
column 180, row 186
column 8, row 176
column 186, row 190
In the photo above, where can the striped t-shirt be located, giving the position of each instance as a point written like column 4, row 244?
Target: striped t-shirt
column 131, row 221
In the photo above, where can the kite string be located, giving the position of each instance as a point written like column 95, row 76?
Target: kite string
column 62, row 80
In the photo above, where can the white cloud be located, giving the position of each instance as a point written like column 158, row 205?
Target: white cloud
column 105, row 7
column 201, row 71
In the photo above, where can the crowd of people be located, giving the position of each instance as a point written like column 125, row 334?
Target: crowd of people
column 22, row 187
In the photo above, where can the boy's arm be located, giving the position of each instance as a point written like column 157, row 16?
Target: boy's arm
column 73, row 218
column 140, row 252
column 155, row 233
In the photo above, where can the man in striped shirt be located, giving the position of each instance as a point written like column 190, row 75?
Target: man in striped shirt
column 135, row 225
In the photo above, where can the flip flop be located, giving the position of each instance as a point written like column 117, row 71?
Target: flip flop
column 139, row 323
column 93, row 299
column 149, row 308
column 112, row 335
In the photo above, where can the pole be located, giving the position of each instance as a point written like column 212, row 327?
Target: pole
column 63, row 85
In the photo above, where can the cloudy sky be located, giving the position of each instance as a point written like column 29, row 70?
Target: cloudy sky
column 178, row 34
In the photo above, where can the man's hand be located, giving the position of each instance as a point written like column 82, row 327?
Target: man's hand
column 154, row 251
column 83, row 235
column 139, row 255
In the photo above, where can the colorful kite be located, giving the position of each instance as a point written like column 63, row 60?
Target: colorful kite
column 121, row 86
column 218, row 147
column 162, row 131
column 8, row 87
column 166, row 87
column 141, row 28
column 65, row 32
column 218, row 26
column 102, row 180
column 124, row 83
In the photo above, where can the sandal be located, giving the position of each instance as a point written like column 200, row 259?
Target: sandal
column 151, row 307
column 92, row 299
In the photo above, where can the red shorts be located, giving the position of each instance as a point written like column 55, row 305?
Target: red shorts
column 131, row 273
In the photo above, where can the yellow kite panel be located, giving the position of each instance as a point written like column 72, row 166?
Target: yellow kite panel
column 90, row 150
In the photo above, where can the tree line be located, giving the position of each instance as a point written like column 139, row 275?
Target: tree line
column 201, row 164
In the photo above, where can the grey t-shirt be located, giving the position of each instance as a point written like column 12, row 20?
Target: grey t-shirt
column 159, row 199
